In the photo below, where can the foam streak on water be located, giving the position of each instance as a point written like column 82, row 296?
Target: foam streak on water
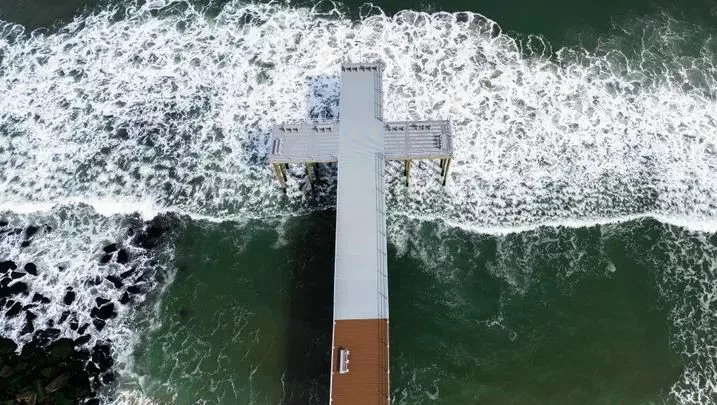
column 172, row 111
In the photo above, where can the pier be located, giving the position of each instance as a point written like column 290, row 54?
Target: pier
column 360, row 142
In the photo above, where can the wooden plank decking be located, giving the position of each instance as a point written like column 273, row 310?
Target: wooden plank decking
column 367, row 382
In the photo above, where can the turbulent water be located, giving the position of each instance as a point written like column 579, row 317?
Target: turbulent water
column 160, row 108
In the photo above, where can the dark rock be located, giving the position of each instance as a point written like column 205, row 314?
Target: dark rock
column 101, row 301
column 82, row 354
column 82, row 340
column 92, row 368
column 7, row 346
column 104, row 312
column 26, row 398
column 74, row 324
column 62, row 348
column 64, row 316
column 28, row 328
column 7, row 265
column 30, row 268
column 17, row 288
column 3, row 224
column 93, row 401
column 96, row 280
column 44, row 337
column 58, row 383
column 116, row 281
column 69, row 297
column 106, row 259
column 29, row 315
column 31, row 230
column 122, row 133
column 151, row 234
column 99, row 324
column 110, row 248
column 108, row 378
column 17, row 274
column 25, row 243
column 5, row 371
column 29, row 306
column 50, row 323
column 5, row 281
column 40, row 298
column 101, row 357
column 83, row 328
column 14, row 310
column 128, row 272
column 134, row 289
column 122, row 257
column 124, row 298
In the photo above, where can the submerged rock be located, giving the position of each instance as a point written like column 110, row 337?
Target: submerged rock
column 31, row 230
column 101, row 357
column 134, row 289
column 17, row 274
column 110, row 248
column 124, row 298
column 69, row 297
column 106, row 258
column 18, row 288
column 122, row 257
column 99, row 324
column 64, row 316
column 14, row 310
column 152, row 233
column 128, row 272
column 115, row 280
column 82, row 340
column 7, row 265
column 104, row 312
column 31, row 268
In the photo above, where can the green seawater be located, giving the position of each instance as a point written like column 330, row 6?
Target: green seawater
column 550, row 316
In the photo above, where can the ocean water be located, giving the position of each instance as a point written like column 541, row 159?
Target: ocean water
column 571, row 258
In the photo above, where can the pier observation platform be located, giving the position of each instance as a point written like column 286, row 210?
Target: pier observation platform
column 360, row 143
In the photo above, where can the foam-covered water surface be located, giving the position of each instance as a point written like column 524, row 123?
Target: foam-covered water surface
column 169, row 108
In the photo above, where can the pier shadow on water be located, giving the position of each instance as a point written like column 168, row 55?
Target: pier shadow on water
column 310, row 254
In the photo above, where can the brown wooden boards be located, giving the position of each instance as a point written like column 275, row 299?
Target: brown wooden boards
column 367, row 382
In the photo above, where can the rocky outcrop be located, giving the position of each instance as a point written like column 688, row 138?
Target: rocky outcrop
column 52, row 373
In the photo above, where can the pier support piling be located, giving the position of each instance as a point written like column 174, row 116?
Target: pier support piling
column 310, row 173
column 446, row 165
column 408, row 171
column 280, row 174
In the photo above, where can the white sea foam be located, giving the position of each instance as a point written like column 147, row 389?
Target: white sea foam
column 175, row 110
